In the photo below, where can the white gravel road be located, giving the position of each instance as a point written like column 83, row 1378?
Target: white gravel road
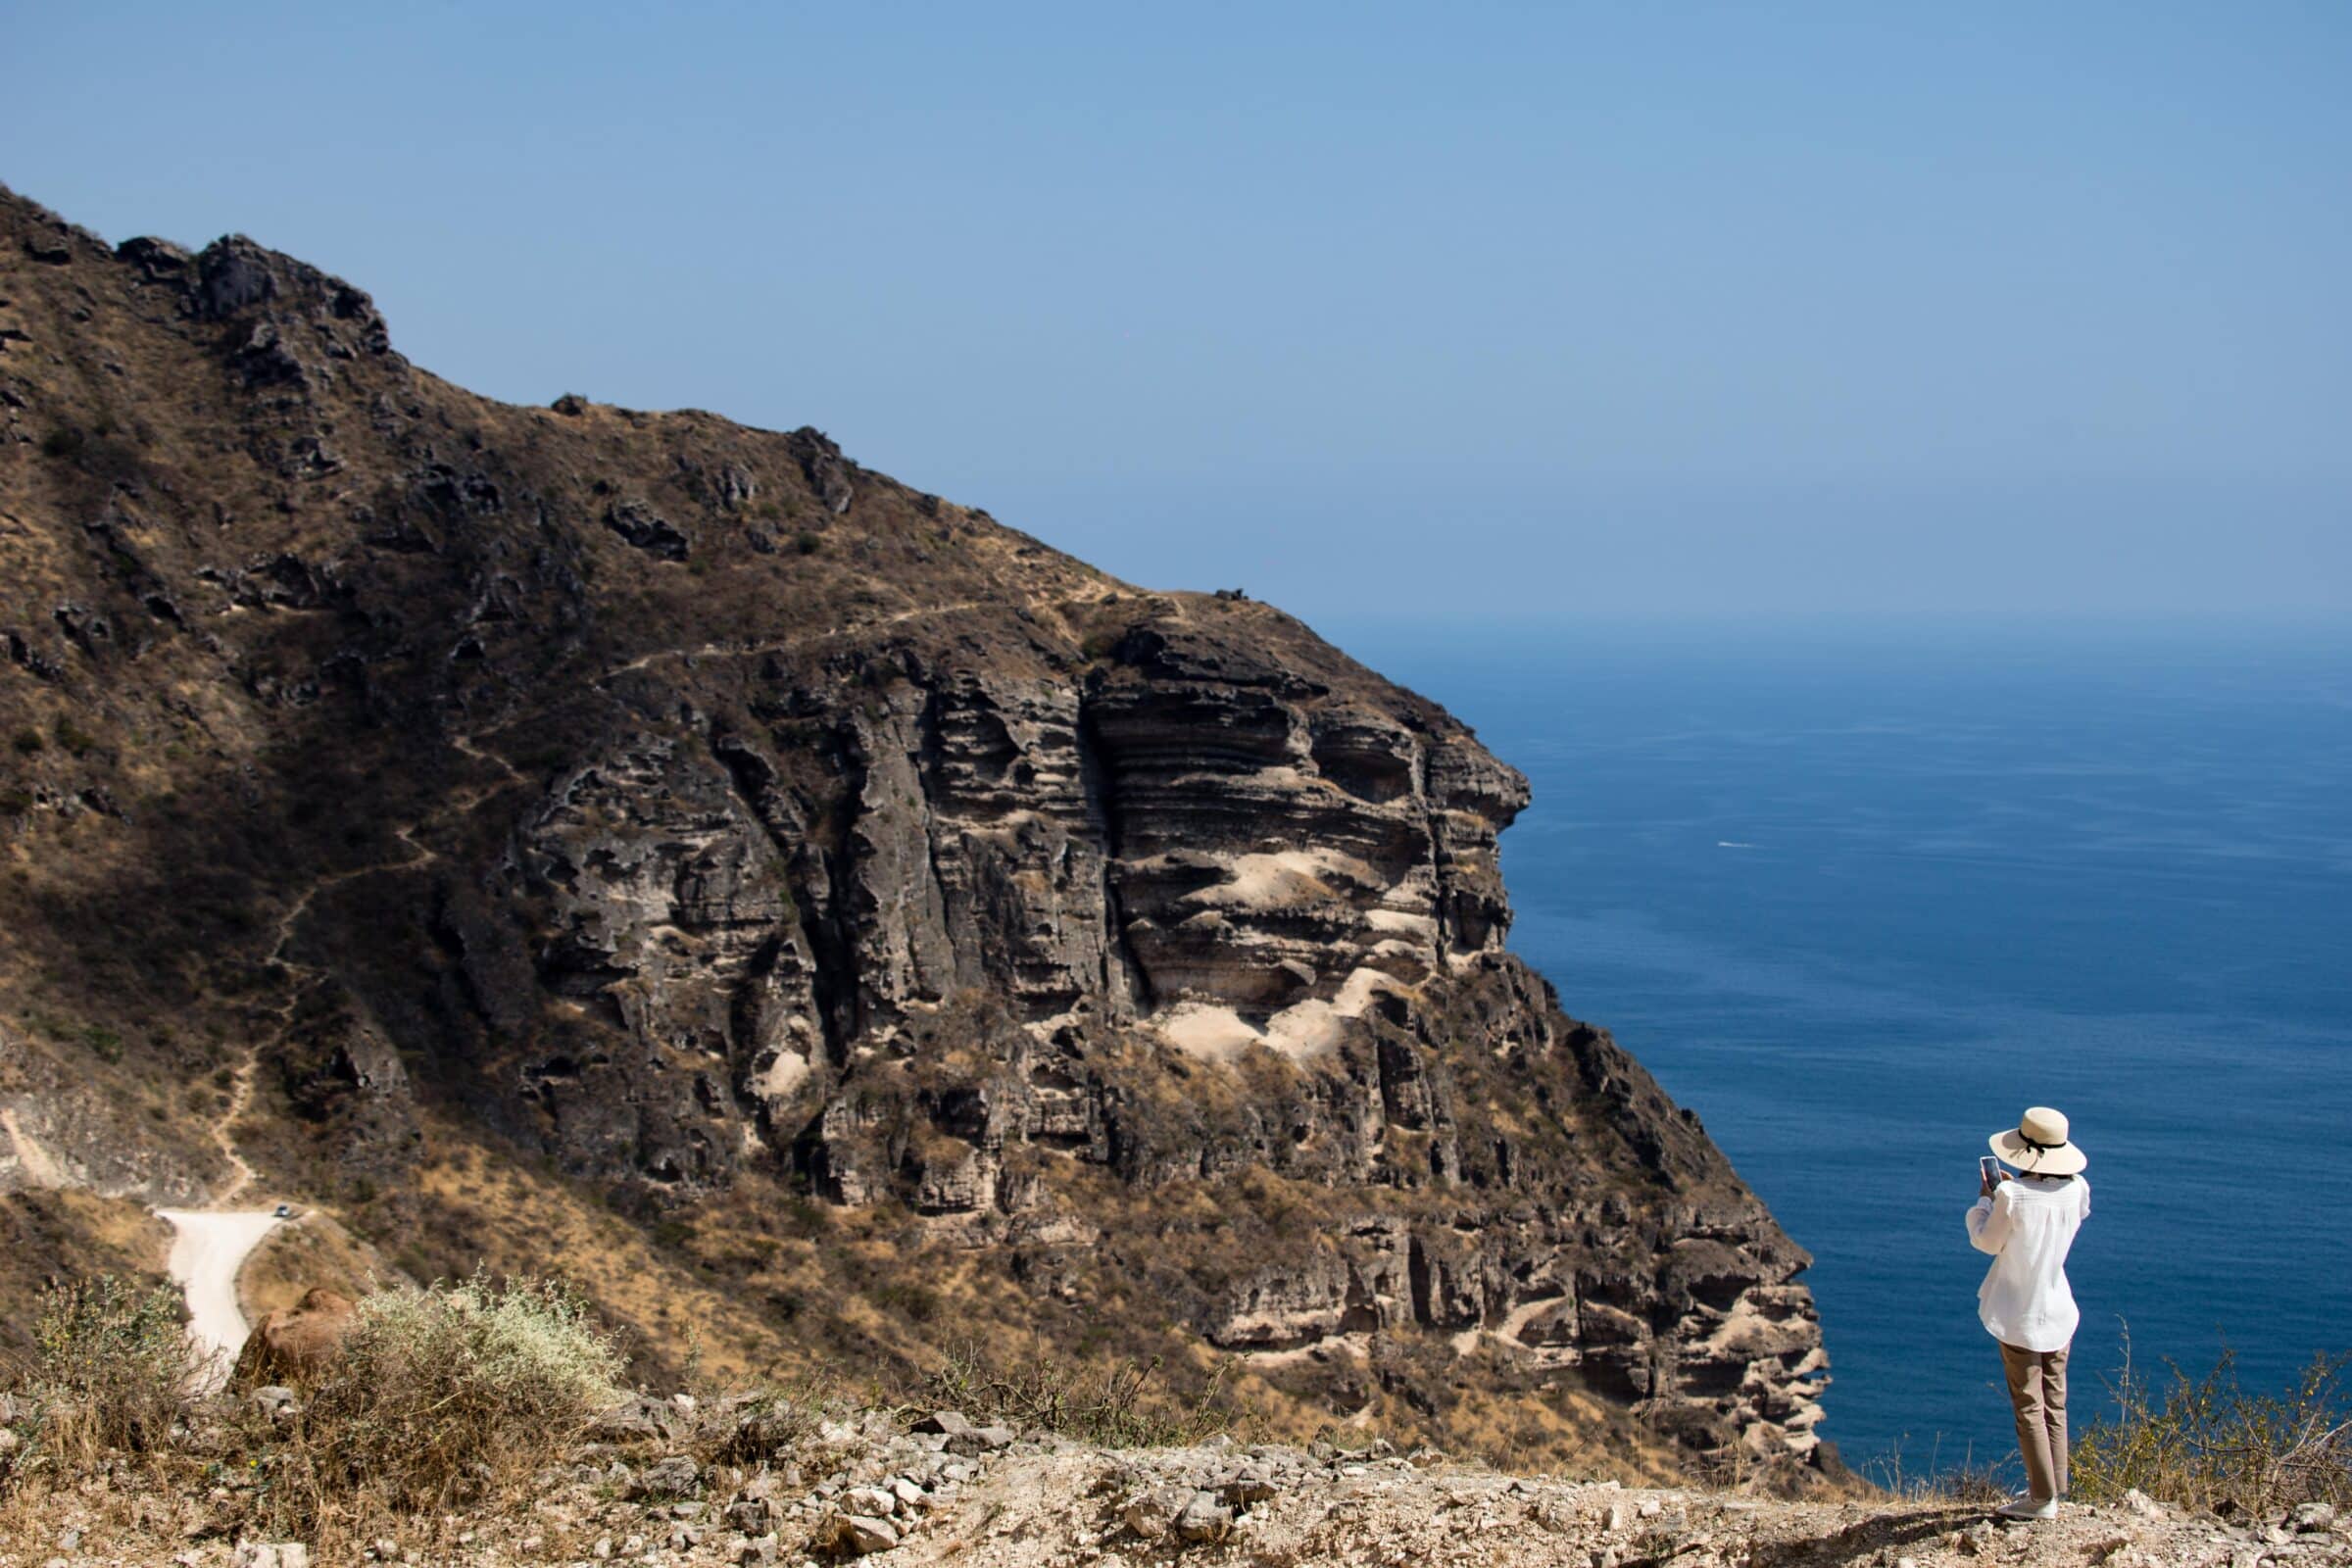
column 207, row 1249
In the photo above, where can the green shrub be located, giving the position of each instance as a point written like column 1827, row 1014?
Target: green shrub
column 29, row 742
column 2206, row 1443
column 438, row 1389
column 807, row 542
column 113, row 1368
column 73, row 738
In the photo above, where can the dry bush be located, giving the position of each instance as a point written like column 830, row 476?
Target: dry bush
column 111, row 1371
column 2206, row 1443
column 748, row 1426
column 1118, row 1404
column 1972, row 1483
column 741, row 1419
column 1736, row 1468
column 455, row 1394
column 442, row 1393
column 1976, row 1483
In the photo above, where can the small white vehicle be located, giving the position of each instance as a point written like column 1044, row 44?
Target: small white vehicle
column 285, row 1212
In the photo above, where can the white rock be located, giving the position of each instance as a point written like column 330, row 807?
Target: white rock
column 871, row 1501
column 280, row 1554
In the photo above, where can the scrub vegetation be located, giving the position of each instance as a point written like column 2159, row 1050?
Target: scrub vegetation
column 451, row 1396
column 2207, row 1441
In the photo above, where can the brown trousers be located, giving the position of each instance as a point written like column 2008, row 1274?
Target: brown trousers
column 2037, row 1391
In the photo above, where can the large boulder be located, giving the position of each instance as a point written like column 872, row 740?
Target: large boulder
column 295, row 1344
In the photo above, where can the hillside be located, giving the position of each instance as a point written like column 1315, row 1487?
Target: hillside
column 826, row 923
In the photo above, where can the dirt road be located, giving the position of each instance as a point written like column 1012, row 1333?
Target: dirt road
column 207, row 1249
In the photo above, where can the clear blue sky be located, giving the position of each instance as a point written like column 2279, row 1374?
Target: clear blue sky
column 1461, row 310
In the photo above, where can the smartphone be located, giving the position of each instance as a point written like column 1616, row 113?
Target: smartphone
column 1990, row 1166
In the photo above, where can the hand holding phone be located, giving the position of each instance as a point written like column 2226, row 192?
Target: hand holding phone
column 1990, row 1170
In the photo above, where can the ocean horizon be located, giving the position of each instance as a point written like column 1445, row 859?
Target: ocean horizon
column 1859, row 890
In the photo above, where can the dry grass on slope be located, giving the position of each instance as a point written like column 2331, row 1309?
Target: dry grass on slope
column 313, row 1251
column 47, row 1235
column 476, row 1208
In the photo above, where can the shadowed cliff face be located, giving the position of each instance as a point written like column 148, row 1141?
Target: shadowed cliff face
column 689, row 812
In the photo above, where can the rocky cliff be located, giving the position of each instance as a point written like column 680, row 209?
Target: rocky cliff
column 908, row 930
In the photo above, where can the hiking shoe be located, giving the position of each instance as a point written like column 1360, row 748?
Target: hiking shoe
column 2025, row 1506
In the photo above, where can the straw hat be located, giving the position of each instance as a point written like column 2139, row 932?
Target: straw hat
column 2037, row 1144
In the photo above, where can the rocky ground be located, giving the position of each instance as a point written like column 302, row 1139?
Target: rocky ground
column 949, row 1491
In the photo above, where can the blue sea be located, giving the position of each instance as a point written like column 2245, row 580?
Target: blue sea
column 1859, row 894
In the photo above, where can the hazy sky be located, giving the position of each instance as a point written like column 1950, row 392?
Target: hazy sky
column 1457, row 309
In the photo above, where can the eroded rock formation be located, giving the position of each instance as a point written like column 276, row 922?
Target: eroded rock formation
column 701, row 813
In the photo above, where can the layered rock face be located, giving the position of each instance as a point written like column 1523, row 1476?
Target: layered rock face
column 703, row 815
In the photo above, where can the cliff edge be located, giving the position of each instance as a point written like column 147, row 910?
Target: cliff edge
column 663, row 852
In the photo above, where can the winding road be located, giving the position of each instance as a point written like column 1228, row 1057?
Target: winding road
column 207, row 1250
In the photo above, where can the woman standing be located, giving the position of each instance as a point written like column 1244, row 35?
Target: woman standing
column 2027, row 1224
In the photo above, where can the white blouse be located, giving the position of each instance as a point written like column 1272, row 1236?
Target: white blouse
column 2028, row 1225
